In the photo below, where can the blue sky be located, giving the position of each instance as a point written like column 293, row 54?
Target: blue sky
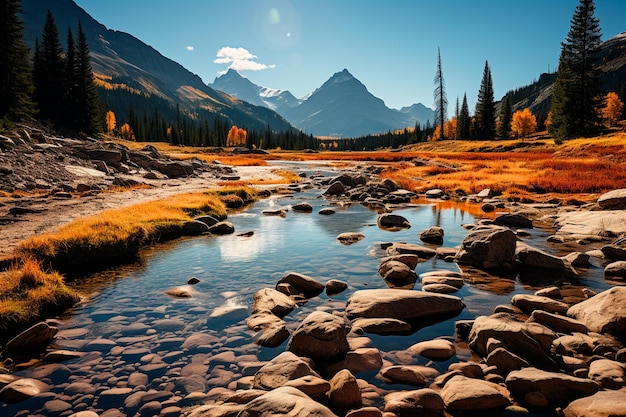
column 389, row 45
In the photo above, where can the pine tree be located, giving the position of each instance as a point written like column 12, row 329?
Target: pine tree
column 441, row 101
column 70, row 100
column 464, row 121
column 575, row 95
column 485, row 107
column 16, row 86
column 49, row 69
column 504, row 130
column 90, row 118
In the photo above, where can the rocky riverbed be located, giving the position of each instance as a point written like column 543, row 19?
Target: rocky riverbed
column 557, row 351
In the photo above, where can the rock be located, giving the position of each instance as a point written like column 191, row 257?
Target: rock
column 336, row 188
column 613, row 200
column 469, row 369
column 530, row 257
column 358, row 360
column 335, row 286
column 312, row 386
column 435, row 193
column 349, row 238
column 415, row 375
column 453, row 281
column 33, row 338
column 108, row 156
column 21, row 390
column 409, row 260
column 222, row 228
column 380, row 326
column 195, row 228
column 437, row 350
column 516, row 220
column 365, row 412
column 488, row 207
column 216, row 410
column 439, row 288
column 529, row 303
column 615, row 270
column 604, row 312
column 304, row 284
column 224, row 316
column 302, row 207
column 393, row 221
column 610, row 374
column 273, row 336
column 86, row 413
column 274, row 212
column 180, row 292
column 558, row 323
column 484, row 193
column 398, row 249
column 577, row 259
column 614, row 253
column 600, row 404
column 262, row 319
column 281, row 369
column 208, row 220
column 268, row 299
column 173, row 169
column 505, row 361
column 558, row 388
column 285, row 401
column 344, row 393
column 403, row 305
column 327, row 211
column 397, row 274
column 530, row 341
column 423, row 402
column 488, row 248
column 321, row 336
column 466, row 394
column 550, row 292
column 433, row 234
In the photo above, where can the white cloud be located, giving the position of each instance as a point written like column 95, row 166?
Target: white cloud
column 190, row 48
column 239, row 59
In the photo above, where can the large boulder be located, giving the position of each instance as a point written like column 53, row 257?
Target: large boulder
column 613, row 200
column 344, row 393
column 433, row 235
column 610, row 374
column 422, row 402
column 321, row 336
column 558, row 388
column 488, row 248
column 530, row 257
column 393, row 221
column 557, row 322
column 397, row 274
column 604, row 312
column 516, row 220
column 287, row 402
column 615, row 269
column 469, row 394
column 284, row 367
column 415, row 375
column 380, row 326
column 304, row 284
column 600, row 404
column 21, row 390
column 530, row 341
column 403, row 305
column 437, row 349
column 529, row 303
column 35, row 337
column 268, row 299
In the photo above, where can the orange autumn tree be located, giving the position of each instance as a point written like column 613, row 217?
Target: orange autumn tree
column 524, row 123
column 613, row 107
column 110, row 121
column 127, row 132
column 236, row 137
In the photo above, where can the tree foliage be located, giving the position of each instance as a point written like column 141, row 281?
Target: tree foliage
column 575, row 96
column 464, row 121
column 613, row 107
column 48, row 73
column 504, row 128
column 441, row 100
column 523, row 123
column 110, row 121
column 485, row 107
column 236, row 137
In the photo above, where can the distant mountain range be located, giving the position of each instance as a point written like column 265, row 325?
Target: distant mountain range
column 341, row 107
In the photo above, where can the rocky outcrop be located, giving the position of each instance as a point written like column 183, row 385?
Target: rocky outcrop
column 613, row 200
column 603, row 313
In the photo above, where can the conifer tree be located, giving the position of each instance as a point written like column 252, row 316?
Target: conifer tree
column 464, row 121
column 89, row 119
column 441, row 101
column 70, row 99
column 504, row 130
column 49, row 69
column 485, row 107
column 16, row 86
column 575, row 98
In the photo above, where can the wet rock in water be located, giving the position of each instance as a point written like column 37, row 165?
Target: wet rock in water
column 440, row 288
column 397, row 274
column 488, row 248
column 558, row 388
column 335, row 286
column 302, row 207
column 467, row 394
column 321, row 336
column 349, row 238
column 274, row 212
column 557, row 322
column 304, row 284
column 614, row 253
column 313, row 386
column 193, row 281
column 409, row 260
column 262, row 319
column 195, row 228
column 530, row 341
column 514, row 220
column 601, row 404
column 530, row 257
column 336, row 188
column 273, row 335
column 610, row 374
column 529, row 303
column 208, row 220
column 551, row 292
column 401, row 304
column 222, row 228
column 344, row 393
column 603, row 313
column 392, row 221
column 358, row 360
column 615, row 270
column 286, row 401
column 435, row 193
column 433, row 235
column 577, row 259
column 613, row 200
column 380, row 326
column 422, row 402
column 21, row 390
column 85, row 413
column 180, row 292
column 414, row 375
column 224, row 316
column 327, row 211
column 411, row 249
column 33, row 338
column 268, row 299
column 437, row 350
column 278, row 371
column 453, row 279
column 488, row 207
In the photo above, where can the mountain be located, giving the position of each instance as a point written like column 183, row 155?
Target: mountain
column 123, row 62
column 341, row 107
column 611, row 61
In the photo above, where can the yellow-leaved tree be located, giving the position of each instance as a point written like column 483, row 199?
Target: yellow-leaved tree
column 111, row 122
column 236, row 137
column 524, row 123
column 127, row 132
column 612, row 110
